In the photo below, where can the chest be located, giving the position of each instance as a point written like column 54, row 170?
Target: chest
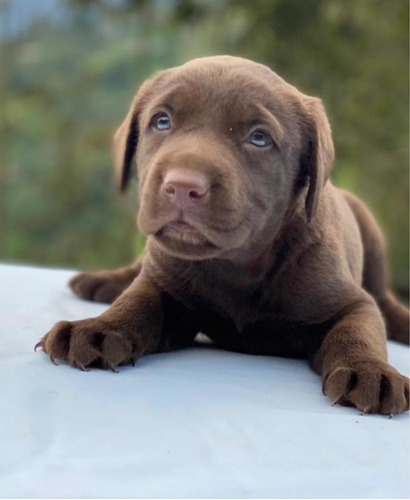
column 252, row 319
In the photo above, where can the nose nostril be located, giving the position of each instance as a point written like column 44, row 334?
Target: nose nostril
column 194, row 195
column 169, row 189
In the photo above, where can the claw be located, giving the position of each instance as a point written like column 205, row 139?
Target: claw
column 53, row 361
column 394, row 412
column 134, row 358
column 111, row 366
column 81, row 366
column 337, row 401
column 38, row 345
column 365, row 411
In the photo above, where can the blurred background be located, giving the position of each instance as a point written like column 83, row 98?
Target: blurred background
column 69, row 69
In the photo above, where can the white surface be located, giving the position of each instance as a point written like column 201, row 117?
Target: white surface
column 191, row 424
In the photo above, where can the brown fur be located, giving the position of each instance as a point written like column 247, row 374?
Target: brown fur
column 276, row 261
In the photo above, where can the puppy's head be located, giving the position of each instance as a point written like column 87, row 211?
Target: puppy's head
column 223, row 148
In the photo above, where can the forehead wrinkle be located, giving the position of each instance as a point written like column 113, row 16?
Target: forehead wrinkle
column 272, row 120
column 168, row 98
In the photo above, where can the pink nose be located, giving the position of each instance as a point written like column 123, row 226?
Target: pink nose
column 186, row 189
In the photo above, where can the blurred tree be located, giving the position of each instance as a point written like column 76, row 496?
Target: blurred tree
column 69, row 72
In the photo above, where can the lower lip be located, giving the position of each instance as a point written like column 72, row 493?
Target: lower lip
column 184, row 233
column 183, row 226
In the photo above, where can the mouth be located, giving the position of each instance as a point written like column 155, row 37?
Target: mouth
column 182, row 238
column 184, row 232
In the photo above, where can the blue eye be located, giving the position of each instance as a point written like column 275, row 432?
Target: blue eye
column 162, row 121
column 260, row 139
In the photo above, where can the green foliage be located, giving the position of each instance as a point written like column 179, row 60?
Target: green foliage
column 66, row 83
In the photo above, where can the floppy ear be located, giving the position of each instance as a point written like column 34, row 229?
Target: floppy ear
column 126, row 138
column 317, row 160
column 124, row 147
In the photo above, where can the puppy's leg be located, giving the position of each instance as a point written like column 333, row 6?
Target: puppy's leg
column 397, row 318
column 104, row 286
column 375, row 281
column 375, row 272
column 131, row 327
column 352, row 361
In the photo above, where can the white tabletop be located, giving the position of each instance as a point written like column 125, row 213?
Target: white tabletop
column 198, row 423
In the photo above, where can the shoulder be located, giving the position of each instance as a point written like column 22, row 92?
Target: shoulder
column 326, row 274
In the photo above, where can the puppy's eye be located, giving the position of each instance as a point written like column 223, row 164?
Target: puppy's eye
column 162, row 121
column 260, row 139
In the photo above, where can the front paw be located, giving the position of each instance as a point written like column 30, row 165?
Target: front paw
column 371, row 386
column 89, row 342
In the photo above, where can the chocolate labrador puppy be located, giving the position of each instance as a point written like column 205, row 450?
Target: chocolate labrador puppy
column 248, row 240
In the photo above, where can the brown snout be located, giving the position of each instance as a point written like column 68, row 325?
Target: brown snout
column 186, row 189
